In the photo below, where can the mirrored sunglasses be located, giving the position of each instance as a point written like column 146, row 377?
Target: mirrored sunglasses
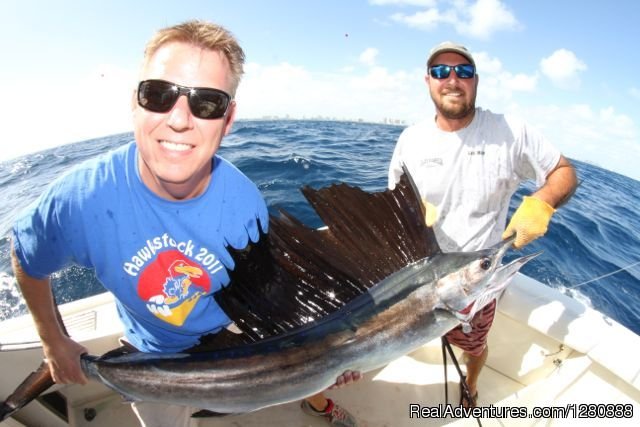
column 463, row 71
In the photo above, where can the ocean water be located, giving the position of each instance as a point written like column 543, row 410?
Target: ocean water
column 591, row 251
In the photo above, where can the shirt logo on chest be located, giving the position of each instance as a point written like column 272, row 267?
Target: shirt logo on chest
column 172, row 285
column 432, row 162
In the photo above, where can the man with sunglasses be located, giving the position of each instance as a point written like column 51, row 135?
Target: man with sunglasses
column 154, row 217
column 467, row 163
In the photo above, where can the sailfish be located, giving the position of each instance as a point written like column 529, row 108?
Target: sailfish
column 308, row 304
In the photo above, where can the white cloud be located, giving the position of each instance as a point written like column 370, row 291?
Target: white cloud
column 479, row 19
column 521, row 82
column 368, row 57
column 373, row 94
column 58, row 111
column 280, row 89
column 563, row 68
column 426, row 20
column 602, row 136
column 379, row 79
column 487, row 64
column 497, row 85
column 487, row 17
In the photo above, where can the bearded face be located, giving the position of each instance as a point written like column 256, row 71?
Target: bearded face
column 454, row 97
column 454, row 101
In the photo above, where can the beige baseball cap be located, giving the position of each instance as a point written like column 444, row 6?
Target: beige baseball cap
column 450, row 47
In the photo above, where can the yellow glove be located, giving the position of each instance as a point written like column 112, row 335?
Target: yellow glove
column 430, row 213
column 529, row 222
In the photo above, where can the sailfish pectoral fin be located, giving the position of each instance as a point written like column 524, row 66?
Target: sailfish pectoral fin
column 205, row 413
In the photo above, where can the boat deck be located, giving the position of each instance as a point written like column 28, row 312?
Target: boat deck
column 546, row 353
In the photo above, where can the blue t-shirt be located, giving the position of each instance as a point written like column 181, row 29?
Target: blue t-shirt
column 162, row 259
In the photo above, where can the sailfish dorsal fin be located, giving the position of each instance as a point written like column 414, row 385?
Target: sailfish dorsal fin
column 297, row 274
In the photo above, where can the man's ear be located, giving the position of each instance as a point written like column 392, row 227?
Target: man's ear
column 230, row 117
column 134, row 99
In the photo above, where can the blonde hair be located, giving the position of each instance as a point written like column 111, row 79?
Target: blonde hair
column 205, row 35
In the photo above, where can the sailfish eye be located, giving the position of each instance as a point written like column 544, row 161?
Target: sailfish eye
column 485, row 264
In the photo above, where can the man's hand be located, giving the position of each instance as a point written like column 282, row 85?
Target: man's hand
column 64, row 361
column 529, row 222
column 348, row 377
column 430, row 213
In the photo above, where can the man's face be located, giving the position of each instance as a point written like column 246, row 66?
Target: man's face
column 176, row 147
column 454, row 98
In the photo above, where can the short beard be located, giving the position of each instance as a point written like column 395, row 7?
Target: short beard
column 459, row 112
column 455, row 112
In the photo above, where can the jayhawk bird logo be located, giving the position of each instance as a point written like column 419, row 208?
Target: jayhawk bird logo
column 172, row 285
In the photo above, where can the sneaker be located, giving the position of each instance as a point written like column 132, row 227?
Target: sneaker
column 335, row 415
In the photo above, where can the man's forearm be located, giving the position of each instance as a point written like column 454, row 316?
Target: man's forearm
column 39, row 298
column 560, row 185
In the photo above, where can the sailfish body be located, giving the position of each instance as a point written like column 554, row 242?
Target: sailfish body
column 309, row 304
column 370, row 288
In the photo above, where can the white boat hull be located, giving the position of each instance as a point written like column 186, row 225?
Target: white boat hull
column 548, row 353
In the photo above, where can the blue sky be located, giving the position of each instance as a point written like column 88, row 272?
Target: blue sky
column 567, row 67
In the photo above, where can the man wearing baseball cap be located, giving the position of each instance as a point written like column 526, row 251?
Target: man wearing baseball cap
column 467, row 162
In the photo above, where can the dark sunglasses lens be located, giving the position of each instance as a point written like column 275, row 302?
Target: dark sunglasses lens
column 440, row 71
column 157, row 96
column 465, row 71
column 208, row 103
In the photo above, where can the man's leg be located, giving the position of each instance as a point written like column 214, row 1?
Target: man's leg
column 474, row 366
column 474, row 345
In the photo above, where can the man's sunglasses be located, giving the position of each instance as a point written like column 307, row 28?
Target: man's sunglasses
column 463, row 71
column 160, row 96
